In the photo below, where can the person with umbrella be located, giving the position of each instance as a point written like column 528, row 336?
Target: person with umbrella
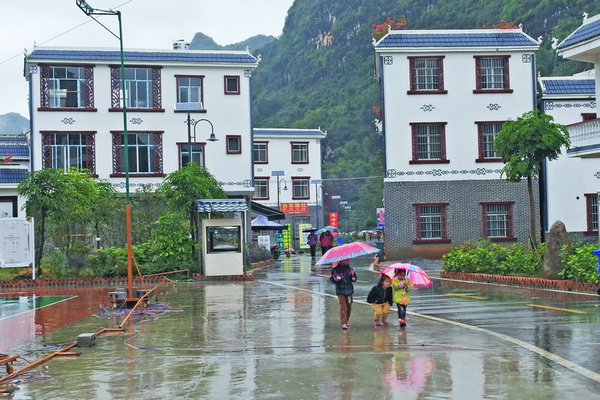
column 326, row 240
column 402, row 285
column 312, row 241
column 343, row 276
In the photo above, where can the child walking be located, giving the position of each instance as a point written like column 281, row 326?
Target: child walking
column 402, row 285
column 380, row 297
column 343, row 276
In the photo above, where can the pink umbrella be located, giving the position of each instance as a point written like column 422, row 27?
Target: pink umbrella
column 345, row 251
column 417, row 276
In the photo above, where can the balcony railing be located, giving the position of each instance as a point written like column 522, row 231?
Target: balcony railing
column 584, row 131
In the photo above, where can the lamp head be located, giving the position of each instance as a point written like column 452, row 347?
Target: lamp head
column 212, row 137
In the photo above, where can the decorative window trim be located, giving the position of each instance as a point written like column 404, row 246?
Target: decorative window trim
column 90, row 148
column 263, row 179
column 588, row 116
column 179, row 144
column 480, row 143
column 239, row 84
column 413, row 77
column 115, row 89
column 415, row 150
column 239, row 139
column 295, row 179
column 116, row 154
column 266, row 143
column 444, row 216
column 14, row 200
column 505, row 75
column 88, row 88
column 510, row 222
column 203, row 110
column 591, row 202
column 307, row 152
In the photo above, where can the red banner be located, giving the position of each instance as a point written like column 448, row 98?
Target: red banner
column 294, row 208
column 333, row 219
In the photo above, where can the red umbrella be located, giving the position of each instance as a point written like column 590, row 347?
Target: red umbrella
column 345, row 251
column 417, row 276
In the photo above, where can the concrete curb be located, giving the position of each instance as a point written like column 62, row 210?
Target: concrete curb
column 28, row 283
column 522, row 281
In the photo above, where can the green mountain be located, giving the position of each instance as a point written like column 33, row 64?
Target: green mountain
column 319, row 73
column 255, row 43
column 13, row 123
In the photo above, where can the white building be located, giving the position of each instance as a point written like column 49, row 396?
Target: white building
column 584, row 45
column 287, row 174
column 78, row 120
column 445, row 95
column 14, row 165
column 571, row 182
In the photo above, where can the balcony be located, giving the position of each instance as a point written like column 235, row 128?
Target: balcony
column 585, row 139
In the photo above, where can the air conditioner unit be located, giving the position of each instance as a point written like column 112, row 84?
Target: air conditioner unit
column 189, row 106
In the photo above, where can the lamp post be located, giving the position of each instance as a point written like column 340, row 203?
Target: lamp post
column 278, row 174
column 190, row 122
column 317, row 182
column 91, row 11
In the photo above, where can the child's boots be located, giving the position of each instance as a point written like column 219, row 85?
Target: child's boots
column 402, row 322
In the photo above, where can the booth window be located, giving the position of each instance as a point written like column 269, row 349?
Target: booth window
column 223, row 239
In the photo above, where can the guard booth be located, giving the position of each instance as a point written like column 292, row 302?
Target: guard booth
column 222, row 240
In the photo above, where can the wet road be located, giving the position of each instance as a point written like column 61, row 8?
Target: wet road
column 280, row 337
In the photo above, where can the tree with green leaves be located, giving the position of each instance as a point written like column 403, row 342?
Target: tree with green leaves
column 182, row 188
column 523, row 144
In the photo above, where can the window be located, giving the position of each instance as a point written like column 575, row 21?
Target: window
column 9, row 207
column 189, row 90
column 64, row 150
column 491, row 75
column 261, row 152
column 232, row 85
column 426, row 75
column 430, row 223
column 429, row 143
column 299, row 152
column 297, row 222
column 591, row 201
column 497, row 220
column 66, row 87
column 300, row 188
column 197, row 154
column 145, row 153
column 234, row 144
column 143, row 88
column 486, row 133
column 261, row 188
column 588, row 116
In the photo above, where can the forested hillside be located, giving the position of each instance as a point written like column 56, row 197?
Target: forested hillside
column 320, row 73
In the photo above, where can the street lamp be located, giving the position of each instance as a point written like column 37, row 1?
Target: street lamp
column 190, row 122
column 278, row 174
column 91, row 11
column 317, row 182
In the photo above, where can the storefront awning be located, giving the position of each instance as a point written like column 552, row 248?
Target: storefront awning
column 221, row 205
column 270, row 213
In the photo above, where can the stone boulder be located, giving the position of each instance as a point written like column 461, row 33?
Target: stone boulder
column 557, row 238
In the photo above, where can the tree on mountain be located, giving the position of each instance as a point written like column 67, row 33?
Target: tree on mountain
column 523, row 144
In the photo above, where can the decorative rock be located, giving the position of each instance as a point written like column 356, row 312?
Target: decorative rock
column 557, row 238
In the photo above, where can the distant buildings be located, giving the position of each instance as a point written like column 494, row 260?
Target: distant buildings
column 14, row 165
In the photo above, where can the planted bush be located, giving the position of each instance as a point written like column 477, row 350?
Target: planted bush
column 580, row 264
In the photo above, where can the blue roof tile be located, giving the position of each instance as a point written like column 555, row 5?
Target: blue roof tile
column 568, row 86
column 12, row 175
column 288, row 132
column 156, row 56
column 588, row 30
column 18, row 150
column 456, row 39
column 13, row 139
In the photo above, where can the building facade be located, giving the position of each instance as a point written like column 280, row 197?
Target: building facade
column 287, row 175
column 445, row 95
column 176, row 102
column 14, row 165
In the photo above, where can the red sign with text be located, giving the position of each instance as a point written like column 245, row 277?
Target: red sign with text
column 333, row 219
column 294, row 208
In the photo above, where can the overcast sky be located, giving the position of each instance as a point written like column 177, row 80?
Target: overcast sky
column 151, row 24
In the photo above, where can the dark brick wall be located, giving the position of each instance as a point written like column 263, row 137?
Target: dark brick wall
column 463, row 211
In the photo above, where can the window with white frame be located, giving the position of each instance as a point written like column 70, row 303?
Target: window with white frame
column 497, row 218
column 144, row 150
column 302, row 220
column 65, row 150
column 492, row 74
column 299, row 152
column 69, row 87
column 300, row 188
column 143, row 88
column 197, row 154
column 428, row 142
column 426, row 75
column 486, row 134
column 591, row 200
column 232, row 84
column 261, row 152
column 430, row 222
column 189, row 90
column 261, row 188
